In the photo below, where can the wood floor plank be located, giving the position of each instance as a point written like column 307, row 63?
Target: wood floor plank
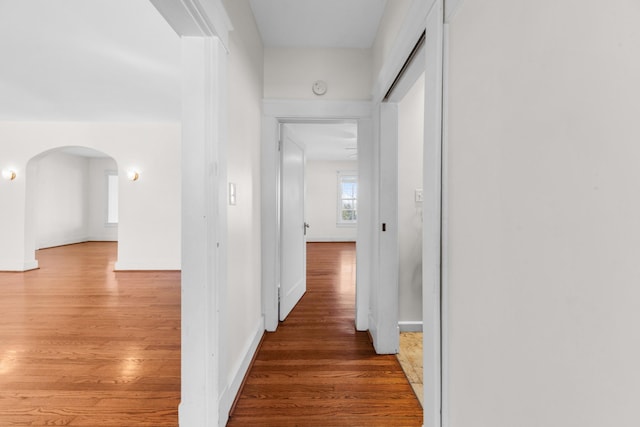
column 317, row 370
column 82, row 345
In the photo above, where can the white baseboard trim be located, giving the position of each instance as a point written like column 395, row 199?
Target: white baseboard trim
column 330, row 239
column 62, row 242
column 230, row 392
column 146, row 266
column 18, row 266
column 103, row 239
column 410, row 326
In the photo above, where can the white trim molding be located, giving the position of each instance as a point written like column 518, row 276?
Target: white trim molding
column 196, row 18
column 432, row 244
column 275, row 112
column 445, row 229
column 411, row 30
column 410, row 326
column 316, row 110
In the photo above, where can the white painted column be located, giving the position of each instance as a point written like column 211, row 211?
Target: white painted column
column 270, row 220
column 203, row 226
column 366, row 224
column 384, row 298
column 431, row 238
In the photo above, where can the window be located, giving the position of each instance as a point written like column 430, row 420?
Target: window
column 347, row 198
column 112, row 198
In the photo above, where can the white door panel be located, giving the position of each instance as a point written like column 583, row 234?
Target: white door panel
column 293, row 283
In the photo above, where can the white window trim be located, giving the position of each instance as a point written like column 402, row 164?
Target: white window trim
column 339, row 221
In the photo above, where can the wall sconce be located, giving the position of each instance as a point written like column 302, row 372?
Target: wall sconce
column 133, row 175
column 9, row 174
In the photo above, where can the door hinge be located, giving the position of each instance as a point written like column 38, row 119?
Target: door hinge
column 279, row 145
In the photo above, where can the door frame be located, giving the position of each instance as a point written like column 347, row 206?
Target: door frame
column 430, row 17
column 275, row 113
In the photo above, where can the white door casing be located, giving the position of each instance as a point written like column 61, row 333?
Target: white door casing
column 276, row 112
column 383, row 316
column 293, row 275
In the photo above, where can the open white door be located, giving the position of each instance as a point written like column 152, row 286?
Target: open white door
column 293, row 283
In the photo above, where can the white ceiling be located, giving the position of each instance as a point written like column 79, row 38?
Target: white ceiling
column 86, row 60
column 327, row 141
column 118, row 60
column 318, row 23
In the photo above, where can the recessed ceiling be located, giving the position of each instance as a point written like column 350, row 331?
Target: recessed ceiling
column 98, row 60
column 327, row 141
column 318, row 23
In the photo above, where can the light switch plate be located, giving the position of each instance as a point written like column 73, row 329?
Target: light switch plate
column 232, row 194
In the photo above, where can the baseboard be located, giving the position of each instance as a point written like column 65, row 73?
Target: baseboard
column 62, row 242
column 410, row 326
column 239, row 371
column 146, row 266
column 18, row 266
column 330, row 239
column 102, row 239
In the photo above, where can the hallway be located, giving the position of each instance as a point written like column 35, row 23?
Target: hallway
column 316, row 369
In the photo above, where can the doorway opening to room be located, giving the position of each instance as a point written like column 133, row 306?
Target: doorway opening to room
column 349, row 126
column 72, row 198
column 318, row 199
column 410, row 234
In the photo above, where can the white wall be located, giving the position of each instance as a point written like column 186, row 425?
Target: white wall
column 321, row 200
column 149, row 229
column 390, row 25
column 243, row 308
column 99, row 230
column 61, row 211
column 544, row 214
column 290, row 72
column 410, row 142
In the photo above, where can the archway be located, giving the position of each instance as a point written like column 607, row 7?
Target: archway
column 71, row 197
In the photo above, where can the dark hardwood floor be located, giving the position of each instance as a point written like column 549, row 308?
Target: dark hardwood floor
column 81, row 345
column 316, row 369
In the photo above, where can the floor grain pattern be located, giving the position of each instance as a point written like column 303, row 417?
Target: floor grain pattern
column 316, row 369
column 84, row 346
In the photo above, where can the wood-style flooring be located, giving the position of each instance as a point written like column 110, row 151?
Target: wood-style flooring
column 410, row 358
column 316, row 369
column 81, row 345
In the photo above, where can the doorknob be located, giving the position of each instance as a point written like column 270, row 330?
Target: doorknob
column 305, row 228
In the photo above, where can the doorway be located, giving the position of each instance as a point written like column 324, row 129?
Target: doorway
column 72, row 197
column 410, row 239
column 318, row 196
column 277, row 113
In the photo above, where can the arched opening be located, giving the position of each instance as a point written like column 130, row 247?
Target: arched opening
column 71, row 197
